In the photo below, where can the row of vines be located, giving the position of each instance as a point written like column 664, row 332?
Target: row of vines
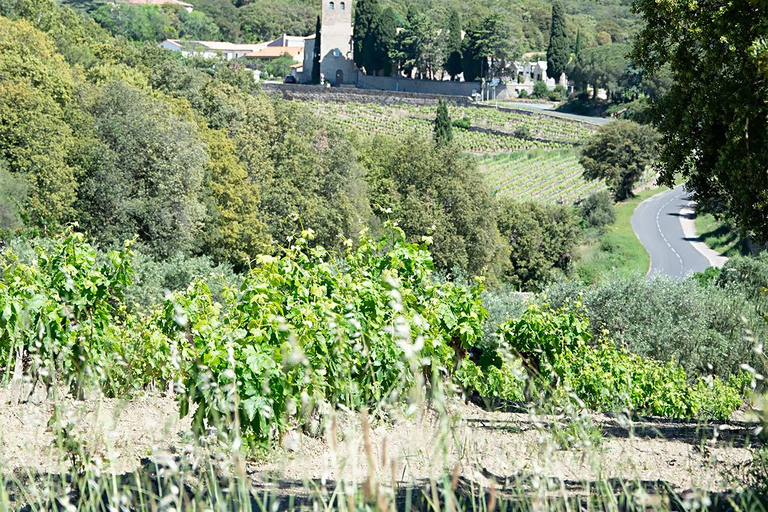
column 309, row 332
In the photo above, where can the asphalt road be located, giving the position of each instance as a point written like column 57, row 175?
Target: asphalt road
column 548, row 109
column 659, row 223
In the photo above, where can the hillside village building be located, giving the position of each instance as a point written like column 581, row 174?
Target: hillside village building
column 337, row 63
column 336, row 60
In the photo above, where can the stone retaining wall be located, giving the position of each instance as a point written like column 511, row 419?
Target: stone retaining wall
column 355, row 95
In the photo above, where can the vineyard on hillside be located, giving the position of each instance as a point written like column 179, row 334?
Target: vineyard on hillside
column 506, row 131
column 524, row 156
column 547, row 176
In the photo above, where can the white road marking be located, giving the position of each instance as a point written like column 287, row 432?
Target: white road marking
column 658, row 227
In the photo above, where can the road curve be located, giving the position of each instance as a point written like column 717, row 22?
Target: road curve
column 664, row 225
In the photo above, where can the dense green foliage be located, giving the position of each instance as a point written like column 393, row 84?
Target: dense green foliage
column 620, row 153
column 156, row 22
column 706, row 330
column 600, row 67
column 559, row 49
column 556, row 348
column 302, row 337
column 597, row 210
column 713, row 120
column 439, row 195
column 541, row 238
column 63, row 317
column 443, row 125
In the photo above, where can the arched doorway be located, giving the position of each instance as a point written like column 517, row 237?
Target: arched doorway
column 339, row 77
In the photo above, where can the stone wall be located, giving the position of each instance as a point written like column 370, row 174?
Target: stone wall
column 354, row 95
column 446, row 88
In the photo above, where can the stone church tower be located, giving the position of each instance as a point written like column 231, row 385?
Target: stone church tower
column 336, row 60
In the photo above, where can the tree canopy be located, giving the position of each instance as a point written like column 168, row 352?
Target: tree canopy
column 714, row 119
column 619, row 154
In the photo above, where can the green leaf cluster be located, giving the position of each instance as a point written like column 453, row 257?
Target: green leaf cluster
column 305, row 332
column 557, row 349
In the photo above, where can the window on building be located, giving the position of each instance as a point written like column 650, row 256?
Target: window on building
column 342, row 6
column 331, row 6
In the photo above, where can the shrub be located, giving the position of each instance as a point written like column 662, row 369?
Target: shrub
column 540, row 90
column 597, row 210
column 464, row 123
column 501, row 304
column 64, row 313
column 152, row 279
column 557, row 349
column 748, row 274
column 705, row 330
column 560, row 93
column 542, row 240
column 523, row 94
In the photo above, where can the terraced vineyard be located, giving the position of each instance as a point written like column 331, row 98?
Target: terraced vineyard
column 527, row 157
column 547, row 176
column 516, row 131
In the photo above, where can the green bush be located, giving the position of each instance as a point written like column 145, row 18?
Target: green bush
column 542, row 240
column 597, row 210
column 523, row 94
column 299, row 336
column 464, row 123
column 560, row 93
column 557, row 349
column 152, row 278
column 540, row 90
column 64, row 313
column 748, row 274
column 706, row 330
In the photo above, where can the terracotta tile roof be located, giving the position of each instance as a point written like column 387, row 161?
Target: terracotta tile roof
column 273, row 52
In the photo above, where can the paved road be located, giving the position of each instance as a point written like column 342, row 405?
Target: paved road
column 548, row 109
column 664, row 225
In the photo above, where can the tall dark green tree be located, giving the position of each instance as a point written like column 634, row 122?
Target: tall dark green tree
column 443, row 126
column 558, row 52
column 453, row 62
column 577, row 48
column 385, row 36
column 316, row 54
column 367, row 14
column 471, row 61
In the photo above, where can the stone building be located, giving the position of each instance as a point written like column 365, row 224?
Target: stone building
column 336, row 60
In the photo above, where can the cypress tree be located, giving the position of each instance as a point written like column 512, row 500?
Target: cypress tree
column 471, row 62
column 443, row 125
column 558, row 52
column 367, row 13
column 453, row 62
column 577, row 50
column 316, row 54
column 385, row 37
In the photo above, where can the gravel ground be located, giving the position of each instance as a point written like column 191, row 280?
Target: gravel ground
column 480, row 445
